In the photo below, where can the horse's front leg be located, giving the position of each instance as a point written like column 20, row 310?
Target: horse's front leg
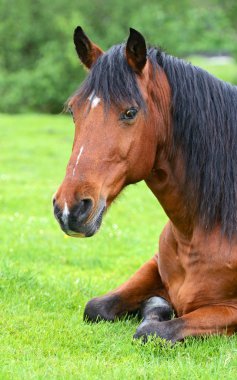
column 128, row 297
column 204, row 321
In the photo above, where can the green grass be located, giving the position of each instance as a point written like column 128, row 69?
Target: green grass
column 227, row 72
column 46, row 278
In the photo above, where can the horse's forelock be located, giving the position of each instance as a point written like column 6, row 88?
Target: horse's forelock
column 113, row 80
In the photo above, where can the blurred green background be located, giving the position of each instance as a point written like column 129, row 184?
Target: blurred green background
column 38, row 65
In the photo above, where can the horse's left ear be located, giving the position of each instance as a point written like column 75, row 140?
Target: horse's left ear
column 87, row 51
column 136, row 51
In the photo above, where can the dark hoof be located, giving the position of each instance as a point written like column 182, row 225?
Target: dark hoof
column 156, row 308
column 101, row 308
column 145, row 329
column 168, row 330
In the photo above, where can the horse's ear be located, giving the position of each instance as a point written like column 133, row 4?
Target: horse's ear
column 136, row 51
column 87, row 51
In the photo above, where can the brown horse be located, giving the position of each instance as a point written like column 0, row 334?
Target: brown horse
column 144, row 115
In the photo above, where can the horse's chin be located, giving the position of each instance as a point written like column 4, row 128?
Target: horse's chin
column 75, row 234
column 85, row 234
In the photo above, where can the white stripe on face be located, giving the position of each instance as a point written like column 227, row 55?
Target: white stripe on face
column 94, row 100
column 78, row 158
column 65, row 214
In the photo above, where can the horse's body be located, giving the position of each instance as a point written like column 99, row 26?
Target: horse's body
column 173, row 125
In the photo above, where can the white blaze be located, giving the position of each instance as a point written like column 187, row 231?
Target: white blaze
column 94, row 100
column 78, row 158
column 65, row 214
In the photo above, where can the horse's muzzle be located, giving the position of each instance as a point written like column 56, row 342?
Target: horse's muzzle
column 80, row 220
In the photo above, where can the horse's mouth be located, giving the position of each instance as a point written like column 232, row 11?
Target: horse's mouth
column 88, row 229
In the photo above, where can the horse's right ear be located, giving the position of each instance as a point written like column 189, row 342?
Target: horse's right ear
column 87, row 51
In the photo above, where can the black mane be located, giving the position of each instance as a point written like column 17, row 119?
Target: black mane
column 204, row 111
column 205, row 128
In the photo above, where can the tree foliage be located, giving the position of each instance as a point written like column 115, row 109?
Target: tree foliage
column 38, row 65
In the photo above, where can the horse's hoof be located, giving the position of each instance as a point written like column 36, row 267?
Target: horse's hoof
column 101, row 308
column 168, row 330
column 156, row 308
column 145, row 329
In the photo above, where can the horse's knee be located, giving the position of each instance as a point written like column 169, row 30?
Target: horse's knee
column 101, row 308
column 156, row 308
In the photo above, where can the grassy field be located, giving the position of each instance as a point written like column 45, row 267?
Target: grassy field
column 46, row 278
column 227, row 71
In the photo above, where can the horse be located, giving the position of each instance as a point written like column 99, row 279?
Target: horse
column 142, row 114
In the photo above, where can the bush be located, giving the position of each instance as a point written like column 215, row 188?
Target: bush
column 38, row 65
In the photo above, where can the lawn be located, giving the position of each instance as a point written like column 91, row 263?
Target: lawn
column 226, row 71
column 46, row 278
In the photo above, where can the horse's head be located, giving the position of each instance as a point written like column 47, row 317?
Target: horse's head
column 120, row 114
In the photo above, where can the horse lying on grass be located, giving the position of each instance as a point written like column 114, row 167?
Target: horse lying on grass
column 144, row 115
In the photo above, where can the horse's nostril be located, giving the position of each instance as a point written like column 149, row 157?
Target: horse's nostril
column 82, row 210
column 72, row 219
column 86, row 205
column 54, row 201
column 57, row 212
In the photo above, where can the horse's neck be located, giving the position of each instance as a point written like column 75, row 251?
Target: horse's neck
column 166, row 181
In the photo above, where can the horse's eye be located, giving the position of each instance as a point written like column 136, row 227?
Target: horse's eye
column 69, row 110
column 129, row 114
